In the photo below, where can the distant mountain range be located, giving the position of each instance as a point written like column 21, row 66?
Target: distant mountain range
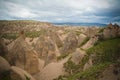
column 82, row 24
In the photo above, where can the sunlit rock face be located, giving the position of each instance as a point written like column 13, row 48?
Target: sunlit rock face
column 22, row 55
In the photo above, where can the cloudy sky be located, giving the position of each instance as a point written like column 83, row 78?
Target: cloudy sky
column 99, row 11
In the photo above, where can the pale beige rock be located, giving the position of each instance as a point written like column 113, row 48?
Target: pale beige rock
column 22, row 55
column 81, row 38
column 70, row 44
column 50, row 72
column 77, row 56
column 90, row 43
column 20, row 74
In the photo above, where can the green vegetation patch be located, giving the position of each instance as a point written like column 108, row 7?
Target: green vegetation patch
column 106, row 51
column 62, row 56
column 9, row 35
column 85, row 41
column 90, row 74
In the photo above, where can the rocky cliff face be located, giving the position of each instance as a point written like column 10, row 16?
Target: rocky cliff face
column 111, row 31
column 60, row 53
column 22, row 55
column 70, row 44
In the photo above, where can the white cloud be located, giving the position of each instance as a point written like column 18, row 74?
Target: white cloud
column 58, row 10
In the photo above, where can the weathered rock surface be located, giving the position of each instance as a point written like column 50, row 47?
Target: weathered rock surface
column 77, row 56
column 55, row 37
column 111, row 73
column 20, row 74
column 46, row 49
column 50, row 72
column 22, row 55
column 81, row 38
column 90, row 43
column 70, row 44
column 3, row 48
column 90, row 31
column 111, row 31
column 4, row 68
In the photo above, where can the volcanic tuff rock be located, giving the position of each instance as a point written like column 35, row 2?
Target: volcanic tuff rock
column 55, row 37
column 77, row 56
column 81, row 38
column 90, row 31
column 4, row 68
column 46, row 49
column 50, row 72
column 3, row 48
column 91, row 42
column 111, row 31
column 19, row 74
column 22, row 55
column 70, row 44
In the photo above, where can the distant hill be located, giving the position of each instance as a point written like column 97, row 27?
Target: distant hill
column 82, row 24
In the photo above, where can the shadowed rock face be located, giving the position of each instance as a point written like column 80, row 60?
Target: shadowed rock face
column 23, row 56
column 3, row 48
column 111, row 73
column 4, row 68
column 19, row 74
column 70, row 44
column 111, row 31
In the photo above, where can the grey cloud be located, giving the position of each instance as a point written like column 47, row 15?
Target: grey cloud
column 61, row 10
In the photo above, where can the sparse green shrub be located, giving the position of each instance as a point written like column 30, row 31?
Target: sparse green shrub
column 62, row 56
column 106, row 51
column 101, row 30
column 10, row 35
column 85, row 41
column 90, row 74
column 71, row 67
column 78, row 33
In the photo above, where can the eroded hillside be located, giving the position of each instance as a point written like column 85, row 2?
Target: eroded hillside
column 31, row 50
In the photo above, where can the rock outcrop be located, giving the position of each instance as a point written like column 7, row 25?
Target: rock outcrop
column 3, row 49
column 55, row 37
column 4, row 68
column 77, row 56
column 46, row 49
column 111, row 31
column 50, row 72
column 19, row 74
column 91, row 42
column 81, row 38
column 70, row 44
column 22, row 55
